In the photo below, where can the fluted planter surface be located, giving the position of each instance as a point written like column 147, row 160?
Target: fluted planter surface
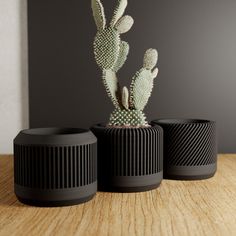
column 55, row 166
column 129, row 159
column 190, row 148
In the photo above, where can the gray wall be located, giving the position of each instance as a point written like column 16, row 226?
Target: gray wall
column 196, row 41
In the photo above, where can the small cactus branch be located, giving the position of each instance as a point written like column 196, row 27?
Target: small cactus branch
column 119, row 11
column 124, row 24
column 98, row 14
column 112, row 87
column 125, row 98
column 150, row 59
column 141, row 88
column 124, row 51
column 155, row 73
column 142, row 83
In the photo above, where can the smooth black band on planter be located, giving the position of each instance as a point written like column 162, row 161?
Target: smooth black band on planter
column 55, row 166
column 55, row 197
column 190, row 148
column 191, row 172
column 132, row 183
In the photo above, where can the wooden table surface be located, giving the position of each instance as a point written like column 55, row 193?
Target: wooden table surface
column 206, row 207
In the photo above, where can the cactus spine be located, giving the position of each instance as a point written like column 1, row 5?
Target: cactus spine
column 110, row 54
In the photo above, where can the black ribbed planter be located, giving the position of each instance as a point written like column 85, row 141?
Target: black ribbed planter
column 129, row 159
column 190, row 148
column 55, row 166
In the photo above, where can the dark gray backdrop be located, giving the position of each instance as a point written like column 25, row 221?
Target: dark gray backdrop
column 196, row 41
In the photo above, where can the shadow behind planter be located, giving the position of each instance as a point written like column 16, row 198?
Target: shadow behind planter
column 55, row 166
column 190, row 148
column 129, row 159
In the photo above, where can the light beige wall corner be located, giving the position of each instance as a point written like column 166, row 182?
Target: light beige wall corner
column 13, row 71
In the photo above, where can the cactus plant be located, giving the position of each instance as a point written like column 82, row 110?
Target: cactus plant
column 110, row 54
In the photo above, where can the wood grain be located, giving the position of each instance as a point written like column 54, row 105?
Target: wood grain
column 206, row 207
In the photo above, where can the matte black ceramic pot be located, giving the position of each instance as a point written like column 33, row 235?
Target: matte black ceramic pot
column 55, row 166
column 190, row 148
column 129, row 159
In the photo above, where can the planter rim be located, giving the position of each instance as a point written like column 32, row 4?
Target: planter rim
column 103, row 126
column 55, row 136
column 169, row 121
column 54, row 131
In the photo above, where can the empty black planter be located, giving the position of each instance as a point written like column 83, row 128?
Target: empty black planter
column 129, row 159
column 190, row 148
column 55, row 166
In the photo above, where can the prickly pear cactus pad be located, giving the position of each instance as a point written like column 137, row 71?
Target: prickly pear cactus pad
column 107, row 47
column 110, row 54
column 142, row 83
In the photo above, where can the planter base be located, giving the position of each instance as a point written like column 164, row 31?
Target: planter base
column 188, row 178
column 109, row 188
column 131, row 183
column 190, row 172
column 55, row 197
column 55, row 203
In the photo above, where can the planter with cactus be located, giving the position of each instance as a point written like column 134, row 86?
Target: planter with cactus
column 129, row 149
